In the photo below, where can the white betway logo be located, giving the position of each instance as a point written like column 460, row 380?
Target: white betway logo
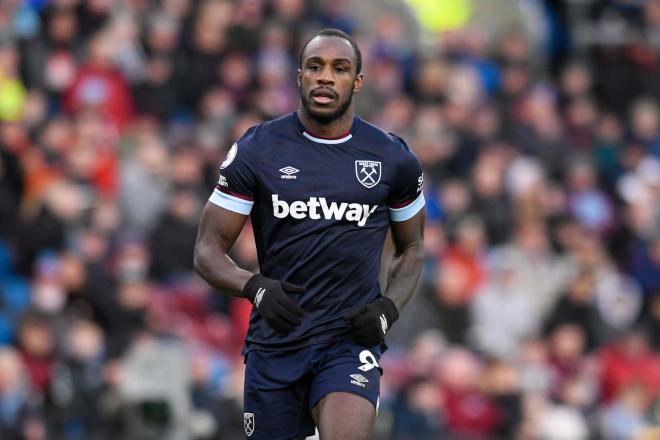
column 354, row 212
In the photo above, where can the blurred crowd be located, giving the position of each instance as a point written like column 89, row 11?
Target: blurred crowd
column 538, row 315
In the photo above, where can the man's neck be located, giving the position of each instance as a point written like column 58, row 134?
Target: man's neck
column 334, row 129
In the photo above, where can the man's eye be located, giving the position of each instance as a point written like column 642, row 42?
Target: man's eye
column 341, row 69
column 314, row 67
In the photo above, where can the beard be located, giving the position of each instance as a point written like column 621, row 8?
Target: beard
column 326, row 118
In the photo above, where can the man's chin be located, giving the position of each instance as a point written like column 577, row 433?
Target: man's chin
column 324, row 117
column 326, row 114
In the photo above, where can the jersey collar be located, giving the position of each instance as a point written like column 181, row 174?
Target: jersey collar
column 331, row 141
column 324, row 140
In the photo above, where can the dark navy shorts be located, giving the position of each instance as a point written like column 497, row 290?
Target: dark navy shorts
column 281, row 388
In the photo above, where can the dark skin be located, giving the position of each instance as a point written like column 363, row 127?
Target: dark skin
column 328, row 68
column 328, row 73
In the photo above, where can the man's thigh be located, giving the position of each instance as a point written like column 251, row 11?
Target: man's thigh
column 344, row 391
column 276, row 394
column 344, row 416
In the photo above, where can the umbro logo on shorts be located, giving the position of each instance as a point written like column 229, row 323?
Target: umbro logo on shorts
column 359, row 380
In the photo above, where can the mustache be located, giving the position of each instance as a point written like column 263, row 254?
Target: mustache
column 324, row 91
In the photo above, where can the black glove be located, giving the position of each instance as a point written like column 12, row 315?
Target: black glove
column 271, row 301
column 371, row 321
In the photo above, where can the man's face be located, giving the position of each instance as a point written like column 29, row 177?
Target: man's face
column 327, row 78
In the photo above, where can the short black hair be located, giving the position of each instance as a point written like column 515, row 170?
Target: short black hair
column 332, row 32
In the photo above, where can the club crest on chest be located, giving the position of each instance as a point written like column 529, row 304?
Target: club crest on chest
column 368, row 172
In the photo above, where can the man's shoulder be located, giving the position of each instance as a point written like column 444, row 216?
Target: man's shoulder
column 382, row 137
column 273, row 126
column 259, row 136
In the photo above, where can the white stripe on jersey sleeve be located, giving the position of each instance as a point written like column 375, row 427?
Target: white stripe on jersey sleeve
column 403, row 214
column 231, row 203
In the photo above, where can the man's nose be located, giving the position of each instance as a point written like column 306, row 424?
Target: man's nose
column 327, row 76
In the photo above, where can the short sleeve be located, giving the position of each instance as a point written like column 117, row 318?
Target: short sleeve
column 406, row 197
column 237, row 183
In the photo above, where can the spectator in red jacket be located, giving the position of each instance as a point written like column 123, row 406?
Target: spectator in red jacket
column 468, row 411
column 99, row 85
column 629, row 361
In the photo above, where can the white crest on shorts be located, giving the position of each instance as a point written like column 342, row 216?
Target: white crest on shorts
column 368, row 172
column 248, row 423
column 231, row 154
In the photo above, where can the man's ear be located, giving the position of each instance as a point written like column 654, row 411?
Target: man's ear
column 299, row 77
column 357, row 83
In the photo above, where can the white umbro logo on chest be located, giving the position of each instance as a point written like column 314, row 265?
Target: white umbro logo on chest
column 288, row 172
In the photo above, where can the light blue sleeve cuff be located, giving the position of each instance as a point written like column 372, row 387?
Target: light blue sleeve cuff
column 231, row 203
column 403, row 214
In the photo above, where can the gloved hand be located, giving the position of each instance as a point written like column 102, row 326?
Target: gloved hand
column 371, row 321
column 271, row 301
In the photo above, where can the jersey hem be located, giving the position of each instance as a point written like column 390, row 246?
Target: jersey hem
column 311, row 340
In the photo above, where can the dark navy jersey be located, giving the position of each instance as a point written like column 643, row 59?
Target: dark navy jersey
column 320, row 211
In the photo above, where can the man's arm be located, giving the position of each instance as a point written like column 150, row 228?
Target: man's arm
column 370, row 322
column 408, row 261
column 218, row 230
column 217, row 233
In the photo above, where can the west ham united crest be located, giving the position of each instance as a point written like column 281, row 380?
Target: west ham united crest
column 368, row 172
column 248, row 423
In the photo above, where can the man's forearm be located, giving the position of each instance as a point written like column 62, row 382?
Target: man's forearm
column 219, row 270
column 404, row 274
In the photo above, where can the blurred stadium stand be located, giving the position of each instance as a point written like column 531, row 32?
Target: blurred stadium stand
column 538, row 126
